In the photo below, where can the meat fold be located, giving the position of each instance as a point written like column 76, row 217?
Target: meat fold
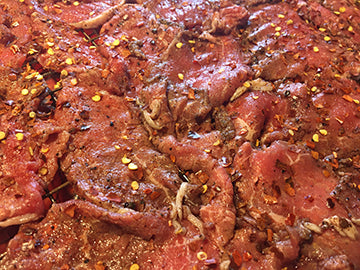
column 109, row 158
column 75, row 234
column 20, row 182
column 163, row 59
column 287, row 115
column 143, row 225
column 278, row 197
column 189, row 134
column 286, row 47
column 190, row 157
column 15, row 39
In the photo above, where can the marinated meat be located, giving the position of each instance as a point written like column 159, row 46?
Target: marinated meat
column 192, row 158
column 21, row 186
column 72, row 236
column 110, row 159
column 284, row 201
column 179, row 134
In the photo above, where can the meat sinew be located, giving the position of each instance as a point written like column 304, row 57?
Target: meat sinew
column 179, row 134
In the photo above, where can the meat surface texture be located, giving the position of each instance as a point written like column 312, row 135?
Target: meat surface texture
column 179, row 134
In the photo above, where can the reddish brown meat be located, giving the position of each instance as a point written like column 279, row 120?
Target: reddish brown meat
column 109, row 159
column 285, row 187
column 278, row 192
column 167, row 59
column 193, row 134
column 61, row 241
column 20, row 181
column 192, row 158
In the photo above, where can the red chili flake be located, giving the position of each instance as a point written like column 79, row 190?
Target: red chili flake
column 289, row 190
column 326, row 173
column 105, row 73
column 247, row 256
column 356, row 161
column 70, row 211
column 191, row 94
column 309, row 198
column 334, row 163
column 279, row 118
column 315, row 154
column 154, row 195
column 138, row 174
column 270, row 199
column 99, row 266
column 291, row 127
column 148, row 191
column 269, row 235
column 112, row 196
column 237, row 258
column 202, row 176
column 290, row 219
column 125, row 53
column 65, row 267
column 348, row 98
column 12, row 77
column 310, row 144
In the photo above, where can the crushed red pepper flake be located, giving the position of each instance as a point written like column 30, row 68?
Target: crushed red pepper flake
column 155, row 194
column 270, row 199
column 247, row 256
column 237, row 258
column 65, row 267
column 334, row 163
column 326, row 173
column 99, row 266
column 148, row 191
column 348, row 98
column 289, row 190
column 125, row 52
column 315, row 154
column 290, row 219
column 309, row 198
column 70, row 211
column 191, row 94
column 202, row 176
column 270, row 235
column 105, row 73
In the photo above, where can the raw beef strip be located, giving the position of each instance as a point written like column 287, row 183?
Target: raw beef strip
column 277, row 196
column 189, row 157
column 74, row 235
column 110, row 160
column 21, row 185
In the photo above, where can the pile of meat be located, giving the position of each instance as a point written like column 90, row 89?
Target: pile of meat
column 187, row 134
